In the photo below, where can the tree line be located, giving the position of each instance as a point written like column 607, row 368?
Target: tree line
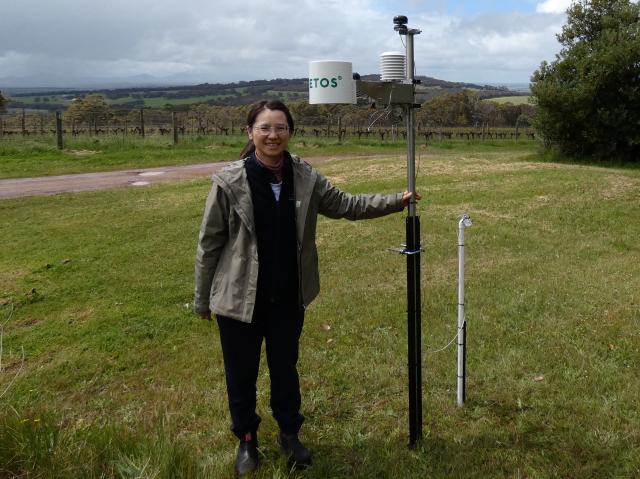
column 465, row 109
column 588, row 99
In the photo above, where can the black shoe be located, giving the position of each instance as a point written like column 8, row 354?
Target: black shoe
column 298, row 455
column 247, row 455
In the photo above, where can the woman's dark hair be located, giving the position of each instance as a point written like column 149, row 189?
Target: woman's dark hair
column 258, row 108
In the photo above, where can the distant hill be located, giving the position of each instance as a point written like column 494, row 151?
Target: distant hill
column 239, row 93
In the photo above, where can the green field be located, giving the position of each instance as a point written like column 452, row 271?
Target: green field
column 105, row 372
column 38, row 155
column 515, row 100
column 36, row 100
column 150, row 102
column 155, row 102
column 162, row 101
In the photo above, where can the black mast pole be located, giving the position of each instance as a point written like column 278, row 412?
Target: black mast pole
column 412, row 251
column 414, row 329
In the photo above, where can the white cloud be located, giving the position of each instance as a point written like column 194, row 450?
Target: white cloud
column 219, row 41
column 14, row 63
column 553, row 6
column 500, row 47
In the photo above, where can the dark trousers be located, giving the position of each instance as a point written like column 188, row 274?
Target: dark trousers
column 280, row 326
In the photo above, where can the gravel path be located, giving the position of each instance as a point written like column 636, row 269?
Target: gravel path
column 53, row 185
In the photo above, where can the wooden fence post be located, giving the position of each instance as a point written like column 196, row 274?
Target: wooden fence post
column 59, row 130
column 142, row 122
column 174, row 125
column 339, row 128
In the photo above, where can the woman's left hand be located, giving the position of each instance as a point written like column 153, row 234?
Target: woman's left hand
column 406, row 197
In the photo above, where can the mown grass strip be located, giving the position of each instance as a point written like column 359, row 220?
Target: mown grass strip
column 37, row 155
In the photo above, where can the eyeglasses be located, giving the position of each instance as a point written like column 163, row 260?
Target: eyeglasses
column 279, row 130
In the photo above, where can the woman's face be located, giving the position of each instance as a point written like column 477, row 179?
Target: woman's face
column 270, row 133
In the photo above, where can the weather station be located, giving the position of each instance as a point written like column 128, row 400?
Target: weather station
column 333, row 82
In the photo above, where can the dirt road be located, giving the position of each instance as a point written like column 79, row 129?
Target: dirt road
column 53, row 185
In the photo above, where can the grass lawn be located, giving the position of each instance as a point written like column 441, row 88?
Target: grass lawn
column 120, row 379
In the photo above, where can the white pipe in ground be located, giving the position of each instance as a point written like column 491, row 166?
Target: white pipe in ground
column 465, row 221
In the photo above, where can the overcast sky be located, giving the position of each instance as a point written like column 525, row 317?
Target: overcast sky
column 482, row 41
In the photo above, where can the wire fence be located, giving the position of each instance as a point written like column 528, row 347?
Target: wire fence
column 144, row 122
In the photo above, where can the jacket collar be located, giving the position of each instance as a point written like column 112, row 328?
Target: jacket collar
column 233, row 180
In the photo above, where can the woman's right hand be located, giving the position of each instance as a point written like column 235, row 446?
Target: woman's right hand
column 406, row 197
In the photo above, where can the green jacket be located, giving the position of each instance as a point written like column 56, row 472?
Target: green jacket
column 226, row 267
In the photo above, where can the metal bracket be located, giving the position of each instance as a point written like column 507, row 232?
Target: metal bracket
column 387, row 93
column 404, row 250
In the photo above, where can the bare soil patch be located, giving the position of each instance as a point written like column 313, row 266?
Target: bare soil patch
column 80, row 152
column 620, row 186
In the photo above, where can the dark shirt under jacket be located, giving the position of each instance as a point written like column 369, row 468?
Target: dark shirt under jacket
column 275, row 224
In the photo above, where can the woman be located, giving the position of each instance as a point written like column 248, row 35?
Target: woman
column 257, row 270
